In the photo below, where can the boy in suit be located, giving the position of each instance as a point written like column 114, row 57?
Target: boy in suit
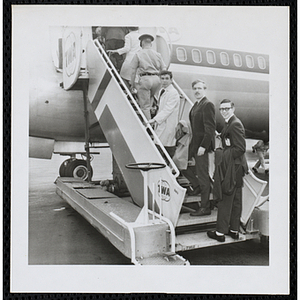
column 229, row 175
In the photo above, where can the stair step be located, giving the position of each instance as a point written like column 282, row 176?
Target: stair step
column 163, row 259
column 193, row 199
column 186, row 220
column 197, row 240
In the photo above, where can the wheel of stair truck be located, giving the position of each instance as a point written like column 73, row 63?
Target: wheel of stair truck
column 264, row 241
column 77, row 168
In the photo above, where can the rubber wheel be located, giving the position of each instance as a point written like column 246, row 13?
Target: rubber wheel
column 264, row 241
column 63, row 167
column 77, row 169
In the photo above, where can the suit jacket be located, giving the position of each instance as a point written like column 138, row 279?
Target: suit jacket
column 203, row 124
column 183, row 137
column 167, row 116
column 110, row 33
column 131, row 47
column 231, row 164
column 233, row 138
column 225, row 174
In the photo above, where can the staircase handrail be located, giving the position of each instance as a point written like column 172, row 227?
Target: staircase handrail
column 145, row 120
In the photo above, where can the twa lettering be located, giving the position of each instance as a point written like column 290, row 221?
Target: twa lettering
column 164, row 189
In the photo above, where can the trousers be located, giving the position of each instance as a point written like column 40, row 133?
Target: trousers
column 190, row 175
column 115, row 58
column 170, row 150
column 229, row 211
column 146, row 89
column 203, row 178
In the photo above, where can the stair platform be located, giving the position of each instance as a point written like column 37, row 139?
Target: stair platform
column 164, row 259
column 119, row 221
column 190, row 241
column 93, row 201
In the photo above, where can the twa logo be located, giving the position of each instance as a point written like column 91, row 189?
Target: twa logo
column 164, row 189
column 70, row 54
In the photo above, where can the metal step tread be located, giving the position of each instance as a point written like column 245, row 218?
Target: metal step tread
column 197, row 240
column 185, row 219
column 73, row 182
column 95, row 193
column 196, row 198
column 163, row 259
column 192, row 199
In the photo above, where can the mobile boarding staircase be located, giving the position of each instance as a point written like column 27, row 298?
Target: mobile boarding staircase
column 151, row 228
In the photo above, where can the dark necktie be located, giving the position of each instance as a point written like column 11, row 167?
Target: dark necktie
column 161, row 92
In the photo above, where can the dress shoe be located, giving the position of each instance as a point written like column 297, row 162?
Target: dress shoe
column 201, row 212
column 193, row 191
column 234, row 235
column 213, row 235
column 267, row 171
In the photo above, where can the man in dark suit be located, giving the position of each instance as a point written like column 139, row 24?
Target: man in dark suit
column 229, row 175
column 114, row 38
column 203, row 124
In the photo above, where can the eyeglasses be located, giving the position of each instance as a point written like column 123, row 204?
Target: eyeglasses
column 224, row 108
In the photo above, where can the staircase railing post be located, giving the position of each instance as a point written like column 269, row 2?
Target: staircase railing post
column 86, row 131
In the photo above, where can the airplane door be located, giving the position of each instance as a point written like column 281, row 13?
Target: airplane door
column 164, row 49
column 72, row 49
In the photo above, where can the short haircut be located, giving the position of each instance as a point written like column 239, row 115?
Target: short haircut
column 197, row 81
column 146, row 41
column 227, row 101
column 98, row 30
column 166, row 72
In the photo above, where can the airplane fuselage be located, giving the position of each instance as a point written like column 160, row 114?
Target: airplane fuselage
column 238, row 76
column 57, row 114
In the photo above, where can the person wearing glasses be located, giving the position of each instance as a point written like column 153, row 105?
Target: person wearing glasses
column 229, row 172
column 203, row 125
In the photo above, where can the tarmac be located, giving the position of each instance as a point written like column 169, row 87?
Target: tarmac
column 58, row 235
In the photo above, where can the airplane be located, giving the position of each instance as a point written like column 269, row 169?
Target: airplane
column 57, row 121
column 77, row 96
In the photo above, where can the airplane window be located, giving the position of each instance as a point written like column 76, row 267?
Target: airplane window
column 211, row 57
column 196, row 55
column 237, row 60
column 224, row 58
column 261, row 62
column 181, row 54
column 249, row 61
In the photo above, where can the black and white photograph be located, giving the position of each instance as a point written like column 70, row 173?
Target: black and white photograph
column 150, row 149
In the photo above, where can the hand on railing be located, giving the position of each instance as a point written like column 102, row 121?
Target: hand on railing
column 111, row 51
column 133, row 91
